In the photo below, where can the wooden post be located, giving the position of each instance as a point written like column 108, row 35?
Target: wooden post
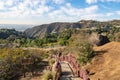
column 25, row 62
column 23, row 68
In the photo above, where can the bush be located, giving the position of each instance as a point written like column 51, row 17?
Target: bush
column 80, row 47
column 10, row 62
column 85, row 52
column 47, row 75
column 51, row 62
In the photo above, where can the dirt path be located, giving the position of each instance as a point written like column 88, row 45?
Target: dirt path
column 45, row 49
column 67, row 73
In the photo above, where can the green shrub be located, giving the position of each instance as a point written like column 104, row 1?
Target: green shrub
column 51, row 62
column 85, row 52
column 80, row 47
column 47, row 75
column 10, row 62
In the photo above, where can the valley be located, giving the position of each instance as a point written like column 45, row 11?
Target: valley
column 94, row 46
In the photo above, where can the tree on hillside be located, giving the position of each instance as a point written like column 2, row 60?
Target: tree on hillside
column 80, row 47
column 85, row 52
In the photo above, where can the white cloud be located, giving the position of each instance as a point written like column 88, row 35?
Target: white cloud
column 42, row 9
column 95, row 1
column 39, row 8
column 112, row 0
column 58, row 1
column 109, row 14
column 46, row 10
column 1, row 5
column 91, row 1
column 91, row 9
column 9, row 2
column 105, row 7
column 23, row 8
column 118, row 12
column 71, row 13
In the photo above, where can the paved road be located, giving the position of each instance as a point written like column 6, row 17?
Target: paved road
column 67, row 73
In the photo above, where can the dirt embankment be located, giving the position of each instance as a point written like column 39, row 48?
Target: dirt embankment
column 106, row 64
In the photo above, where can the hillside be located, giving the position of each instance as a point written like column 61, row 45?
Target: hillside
column 106, row 65
column 41, row 30
column 6, row 33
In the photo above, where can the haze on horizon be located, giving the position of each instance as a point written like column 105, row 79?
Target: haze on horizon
column 47, row 11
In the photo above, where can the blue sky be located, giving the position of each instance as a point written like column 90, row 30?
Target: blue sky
column 47, row 11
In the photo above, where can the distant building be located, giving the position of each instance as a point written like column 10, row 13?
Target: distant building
column 54, row 32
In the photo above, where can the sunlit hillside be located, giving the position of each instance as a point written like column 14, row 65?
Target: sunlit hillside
column 106, row 63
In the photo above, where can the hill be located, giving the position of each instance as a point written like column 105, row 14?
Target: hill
column 106, row 64
column 7, row 33
column 41, row 30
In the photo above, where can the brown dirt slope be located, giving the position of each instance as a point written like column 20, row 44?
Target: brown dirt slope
column 106, row 64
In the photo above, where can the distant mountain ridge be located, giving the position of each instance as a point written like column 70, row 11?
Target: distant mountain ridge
column 18, row 27
column 41, row 30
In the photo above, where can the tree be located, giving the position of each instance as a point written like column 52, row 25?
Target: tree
column 39, row 42
column 12, row 38
column 80, row 46
column 85, row 52
column 62, row 42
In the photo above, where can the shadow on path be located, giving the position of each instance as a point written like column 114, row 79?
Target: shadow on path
column 67, row 73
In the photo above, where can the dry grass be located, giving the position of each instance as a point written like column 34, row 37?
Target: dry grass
column 106, row 65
